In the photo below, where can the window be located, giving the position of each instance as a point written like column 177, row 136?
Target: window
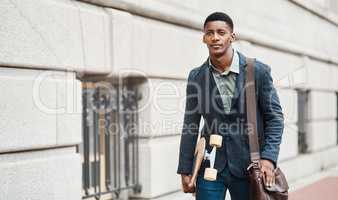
column 303, row 96
column 110, row 144
column 337, row 116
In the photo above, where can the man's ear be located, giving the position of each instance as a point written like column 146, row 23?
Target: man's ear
column 204, row 41
column 233, row 37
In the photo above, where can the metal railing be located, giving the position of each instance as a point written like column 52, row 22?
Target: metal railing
column 110, row 142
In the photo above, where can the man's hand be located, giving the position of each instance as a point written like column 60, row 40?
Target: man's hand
column 267, row 169
column 185, row 184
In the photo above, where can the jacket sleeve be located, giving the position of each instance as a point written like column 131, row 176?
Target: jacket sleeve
column 273, row 119
column 190, row 128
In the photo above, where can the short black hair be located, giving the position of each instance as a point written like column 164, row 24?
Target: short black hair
column 219, row 16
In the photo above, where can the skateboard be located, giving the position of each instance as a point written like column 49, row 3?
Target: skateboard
column 201, row 154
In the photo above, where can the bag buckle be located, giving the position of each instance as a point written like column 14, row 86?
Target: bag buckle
column 254, row 164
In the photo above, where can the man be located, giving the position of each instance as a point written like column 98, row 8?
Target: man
column 216, row 92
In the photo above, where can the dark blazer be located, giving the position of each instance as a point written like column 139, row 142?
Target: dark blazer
column 203, row 100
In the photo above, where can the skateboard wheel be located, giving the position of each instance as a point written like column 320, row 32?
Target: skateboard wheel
column 210, row 174
column 216, row 140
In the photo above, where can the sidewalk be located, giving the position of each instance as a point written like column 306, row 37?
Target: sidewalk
column 323, row 185
column 319, row 186
column 325, row 189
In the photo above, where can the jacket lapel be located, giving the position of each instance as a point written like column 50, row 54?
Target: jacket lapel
column 238, row 100
column 211, row 99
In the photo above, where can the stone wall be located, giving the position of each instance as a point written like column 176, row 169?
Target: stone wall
column 47, row 45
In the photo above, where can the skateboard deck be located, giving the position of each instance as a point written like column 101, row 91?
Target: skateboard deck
column 198, row 159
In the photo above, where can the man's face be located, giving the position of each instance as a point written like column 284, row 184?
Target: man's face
column 218, row 37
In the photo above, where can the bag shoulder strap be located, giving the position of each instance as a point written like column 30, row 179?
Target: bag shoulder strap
column 251, row 111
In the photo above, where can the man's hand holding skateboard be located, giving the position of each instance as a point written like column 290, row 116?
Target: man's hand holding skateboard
column 189, row 181
column 186, row 180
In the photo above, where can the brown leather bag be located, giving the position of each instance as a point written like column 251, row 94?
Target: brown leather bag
column 258, row 190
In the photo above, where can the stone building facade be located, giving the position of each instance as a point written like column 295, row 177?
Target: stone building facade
column 92, row 91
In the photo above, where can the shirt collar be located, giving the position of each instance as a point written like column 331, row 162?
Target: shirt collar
column 234, row 67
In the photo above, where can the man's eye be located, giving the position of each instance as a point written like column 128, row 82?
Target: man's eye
column 209, row 33
column 221, row 33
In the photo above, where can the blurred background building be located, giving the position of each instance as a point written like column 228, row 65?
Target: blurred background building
column 92, row 91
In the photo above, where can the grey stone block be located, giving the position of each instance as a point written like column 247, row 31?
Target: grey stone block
column 39, row 109
column 54, row 34
column 289, row 145
column 322, row 105
column 69, row 101
column 53, row 174
column 158, row 162
column 321, row 135
column 162, row 107
column 28, row 100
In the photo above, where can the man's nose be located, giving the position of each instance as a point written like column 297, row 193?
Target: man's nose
column 216, row 37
